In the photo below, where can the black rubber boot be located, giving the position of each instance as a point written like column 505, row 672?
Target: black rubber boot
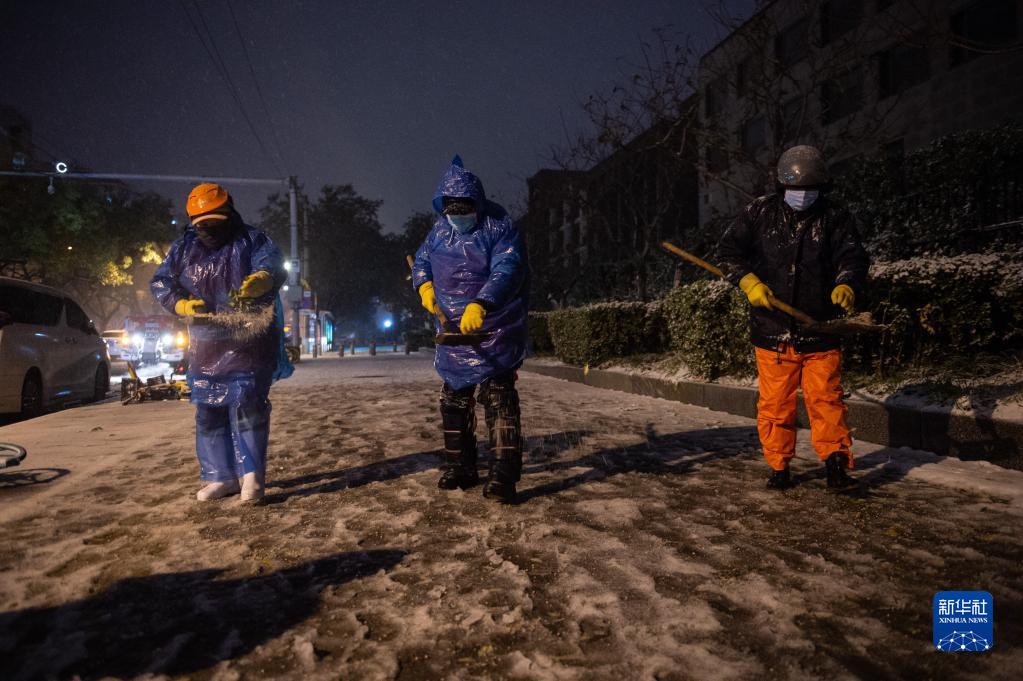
column 457, row 411
column 838, row 479
column 501, row 408
column 780, row 480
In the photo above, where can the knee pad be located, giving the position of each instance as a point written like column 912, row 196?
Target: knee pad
column 459, row 422
column 456, row 400
column 500, row 399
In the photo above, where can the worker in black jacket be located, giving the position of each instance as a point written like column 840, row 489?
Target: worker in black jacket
column 799, row 247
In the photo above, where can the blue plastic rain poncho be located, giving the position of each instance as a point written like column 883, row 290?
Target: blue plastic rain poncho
column 486, row 265
column 230, row 375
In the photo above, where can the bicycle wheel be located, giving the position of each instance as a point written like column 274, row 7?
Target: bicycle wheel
column 11, row 455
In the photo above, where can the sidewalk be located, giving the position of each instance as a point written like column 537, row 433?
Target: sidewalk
column 645, row 546
column 930, row 428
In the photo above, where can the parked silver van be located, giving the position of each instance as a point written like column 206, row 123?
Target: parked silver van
column 50, row 352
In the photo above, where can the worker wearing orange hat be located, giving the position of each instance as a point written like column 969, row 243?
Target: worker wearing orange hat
column 216, row 262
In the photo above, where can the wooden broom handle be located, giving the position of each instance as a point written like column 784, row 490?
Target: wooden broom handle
column 438, row 314
column 686, row 255
column 783, row 306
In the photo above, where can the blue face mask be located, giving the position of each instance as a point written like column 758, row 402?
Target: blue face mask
column 463, row 223
column 800, row 199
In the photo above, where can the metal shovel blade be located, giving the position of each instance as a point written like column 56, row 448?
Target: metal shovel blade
column 848, row 326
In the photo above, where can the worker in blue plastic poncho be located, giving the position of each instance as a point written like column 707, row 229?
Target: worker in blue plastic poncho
column 218, row 262
column 472, row 267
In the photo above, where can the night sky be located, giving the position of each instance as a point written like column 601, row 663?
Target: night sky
column 378, row 94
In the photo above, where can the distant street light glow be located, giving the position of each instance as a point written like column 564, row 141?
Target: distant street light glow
column 284, row 288
column 287, row 268
column 387, row 323
column 61, row 167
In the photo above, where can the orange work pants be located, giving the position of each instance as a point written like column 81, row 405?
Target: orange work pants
column 819, row 374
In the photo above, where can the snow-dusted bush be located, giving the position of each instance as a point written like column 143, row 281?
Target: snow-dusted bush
column 940, row 306
column 936, row 307
column 540, row 333
column 708, row 322
column 595, row 333
column 935, row 198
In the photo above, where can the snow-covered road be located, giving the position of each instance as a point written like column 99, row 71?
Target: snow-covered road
column 645, row 547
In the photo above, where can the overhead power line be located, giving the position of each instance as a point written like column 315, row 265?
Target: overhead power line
column 221, row 67
column 33, row 143
column 255, row 80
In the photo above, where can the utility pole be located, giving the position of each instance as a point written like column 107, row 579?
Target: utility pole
column 294, row 278
column 305, row 267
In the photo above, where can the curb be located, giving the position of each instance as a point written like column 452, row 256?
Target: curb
column 965, row 437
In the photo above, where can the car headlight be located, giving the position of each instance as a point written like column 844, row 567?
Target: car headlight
column 167, row 339
column 181, row 340
column 137, row 339
column 125, row 340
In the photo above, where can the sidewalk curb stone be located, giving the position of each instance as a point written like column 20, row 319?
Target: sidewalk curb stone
column 931, row 429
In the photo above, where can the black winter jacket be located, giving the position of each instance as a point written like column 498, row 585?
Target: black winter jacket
column 801, row 257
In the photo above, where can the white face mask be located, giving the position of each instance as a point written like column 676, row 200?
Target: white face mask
column 801, row 199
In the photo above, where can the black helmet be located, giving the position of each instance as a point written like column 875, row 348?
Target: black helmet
column 803, row 166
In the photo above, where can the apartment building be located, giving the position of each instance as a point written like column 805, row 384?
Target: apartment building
column 854, row 78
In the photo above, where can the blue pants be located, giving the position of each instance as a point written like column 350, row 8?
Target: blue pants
column 231, row 438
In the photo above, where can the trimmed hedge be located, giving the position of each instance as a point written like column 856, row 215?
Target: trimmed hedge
column 941, row 306
column 709, row 326
column 937, row 193
column 936, row 307
column 596, row 333
column 540, row 333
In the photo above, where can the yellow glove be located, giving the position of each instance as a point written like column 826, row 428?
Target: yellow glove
column 472, row 318
column 189, row 306
column 428, row 297
column 757, row 291
column 256, row 284
column 844, row 296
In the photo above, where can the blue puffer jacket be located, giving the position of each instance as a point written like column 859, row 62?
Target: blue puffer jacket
column 486, row 265
column 216, row 358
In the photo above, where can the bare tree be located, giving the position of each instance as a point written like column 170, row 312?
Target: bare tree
column 802, row 71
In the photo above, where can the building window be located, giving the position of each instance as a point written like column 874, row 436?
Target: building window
column 742, row 76
column 754, row 135
column 901, row 67
column 793, row 118
column 717, row 159
column 712, row 99
column 791, row 45
column 983, row 25
column 842, row 96
column 838, row 17
column 840, row 169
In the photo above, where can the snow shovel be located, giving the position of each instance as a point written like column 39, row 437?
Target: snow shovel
column 450, row 335
column 845, row 326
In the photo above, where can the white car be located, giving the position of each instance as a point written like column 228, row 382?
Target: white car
column 119, row 345
column 50, row 352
